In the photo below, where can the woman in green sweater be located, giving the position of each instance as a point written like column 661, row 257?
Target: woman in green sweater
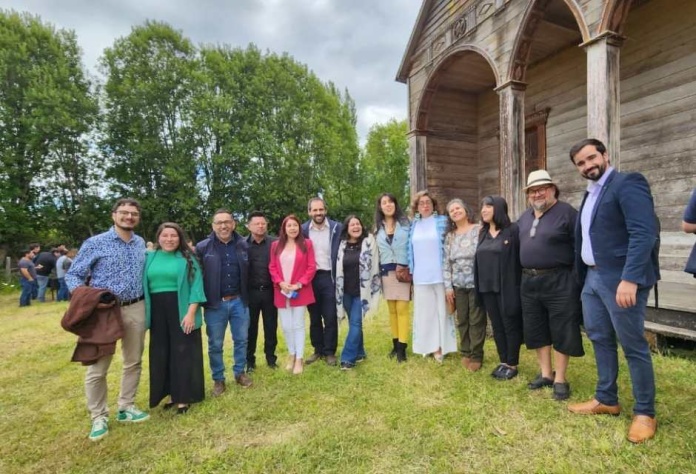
column 173, row 291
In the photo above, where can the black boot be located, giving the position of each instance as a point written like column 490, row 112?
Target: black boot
column 392, row 354
column 401, row 352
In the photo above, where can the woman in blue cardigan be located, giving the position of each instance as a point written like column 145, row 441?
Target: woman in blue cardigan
column 173, row 292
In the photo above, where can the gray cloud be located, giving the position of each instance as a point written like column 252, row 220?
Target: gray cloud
column 356, row 44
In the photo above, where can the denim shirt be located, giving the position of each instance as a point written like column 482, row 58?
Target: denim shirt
column 397, row 251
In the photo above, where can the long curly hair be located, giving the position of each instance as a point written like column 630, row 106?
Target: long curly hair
column 183, row 246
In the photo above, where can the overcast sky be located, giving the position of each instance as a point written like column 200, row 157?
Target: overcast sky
column 357, row 44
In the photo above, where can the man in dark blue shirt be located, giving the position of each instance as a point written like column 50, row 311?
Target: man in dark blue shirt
column 225, row 278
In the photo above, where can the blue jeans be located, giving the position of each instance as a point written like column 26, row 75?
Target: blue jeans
column 27, row 289
column 43, row 284
column 604, row 322
column 237, row 314
column 63, row 293
column 354, row 347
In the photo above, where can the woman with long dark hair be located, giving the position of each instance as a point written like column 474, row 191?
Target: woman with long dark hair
column 292, row 267
column 433, row 328
column 173, row 286
column 357, row 285
column 391, row 233
column 498, row 274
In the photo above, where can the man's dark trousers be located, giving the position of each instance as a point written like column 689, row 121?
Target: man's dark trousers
column 261, row 301
column 324, row 336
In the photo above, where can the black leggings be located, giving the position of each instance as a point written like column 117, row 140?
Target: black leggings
column 507, row 330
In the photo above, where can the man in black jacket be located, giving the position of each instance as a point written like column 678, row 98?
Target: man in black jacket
column 225, row 262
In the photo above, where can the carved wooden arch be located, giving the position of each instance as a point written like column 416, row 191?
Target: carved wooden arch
column 519, row 59
column 433, row 80
column 614, row 16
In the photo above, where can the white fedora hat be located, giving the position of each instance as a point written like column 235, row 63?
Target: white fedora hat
column 538, row 178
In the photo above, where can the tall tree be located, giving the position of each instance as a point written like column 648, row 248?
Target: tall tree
column 148, row 138
column 47, row 110
column 385, row 162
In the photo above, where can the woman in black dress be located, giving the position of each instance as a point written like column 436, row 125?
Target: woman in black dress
column 173, row 292
column 497, row 276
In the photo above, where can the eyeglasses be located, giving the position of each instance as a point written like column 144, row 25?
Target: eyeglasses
column 532, row 231
column 128, row 213
column 219, row 223
column 541, row 190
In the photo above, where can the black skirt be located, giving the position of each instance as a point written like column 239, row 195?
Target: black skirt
column 176, row 358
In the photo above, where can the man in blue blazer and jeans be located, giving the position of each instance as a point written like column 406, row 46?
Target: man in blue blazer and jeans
column 323, row 318
column 616, row 239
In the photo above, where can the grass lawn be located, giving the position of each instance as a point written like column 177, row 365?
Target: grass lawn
column 381, row 417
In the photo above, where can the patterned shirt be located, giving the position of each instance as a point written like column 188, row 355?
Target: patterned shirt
column 458, row 265
column 113, row 264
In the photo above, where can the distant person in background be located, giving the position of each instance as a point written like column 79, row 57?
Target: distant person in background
column 497, row 279
column 433, row 328
column 45, row 264
column 460, row 250
column 35, row 250
column 689, row 226
column 27, row 277
column 62, row 265
column 292, row 267
column 173, row 286
column 391, row 231
column 357, row 286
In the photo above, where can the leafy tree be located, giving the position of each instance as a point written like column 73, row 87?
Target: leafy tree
column 385, row 162
column 148, row 138
column 47, row 110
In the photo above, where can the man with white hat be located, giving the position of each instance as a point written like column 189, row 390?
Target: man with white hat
column 549, row 290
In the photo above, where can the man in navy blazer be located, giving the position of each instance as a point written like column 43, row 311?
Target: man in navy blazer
column 616, row 237
column 323, row 318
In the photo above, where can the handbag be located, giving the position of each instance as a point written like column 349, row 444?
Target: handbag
column 402, row 274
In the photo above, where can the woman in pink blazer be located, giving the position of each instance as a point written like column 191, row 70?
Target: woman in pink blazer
column 292, row 267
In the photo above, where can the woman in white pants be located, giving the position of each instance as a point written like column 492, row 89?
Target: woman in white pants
column 433, row 329
column 292, row 267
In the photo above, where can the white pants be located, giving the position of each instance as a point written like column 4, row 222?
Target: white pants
column 292, row 320
column 433, row 328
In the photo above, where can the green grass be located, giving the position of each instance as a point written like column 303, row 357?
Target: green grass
column 381, row 417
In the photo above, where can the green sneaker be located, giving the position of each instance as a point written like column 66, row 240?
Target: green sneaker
column 132, row 415
column 100, row 428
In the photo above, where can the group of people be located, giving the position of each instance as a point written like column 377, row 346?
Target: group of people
column 36, row 268
column 529, row 277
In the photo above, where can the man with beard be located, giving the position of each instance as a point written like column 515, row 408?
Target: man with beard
column 323, row 319
column 115, row 260
column 616, row 257
column 226, row 281
column 549, row 290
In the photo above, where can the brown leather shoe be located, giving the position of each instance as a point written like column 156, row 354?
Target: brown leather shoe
column 218, row 388
column 331, row 360
column 244, row 380
column 593, row 407
column 465, row 362
column 474, row 365
column 642, row 429
column 313, row 358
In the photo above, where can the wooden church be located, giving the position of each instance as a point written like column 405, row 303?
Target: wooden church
column 499, row 88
